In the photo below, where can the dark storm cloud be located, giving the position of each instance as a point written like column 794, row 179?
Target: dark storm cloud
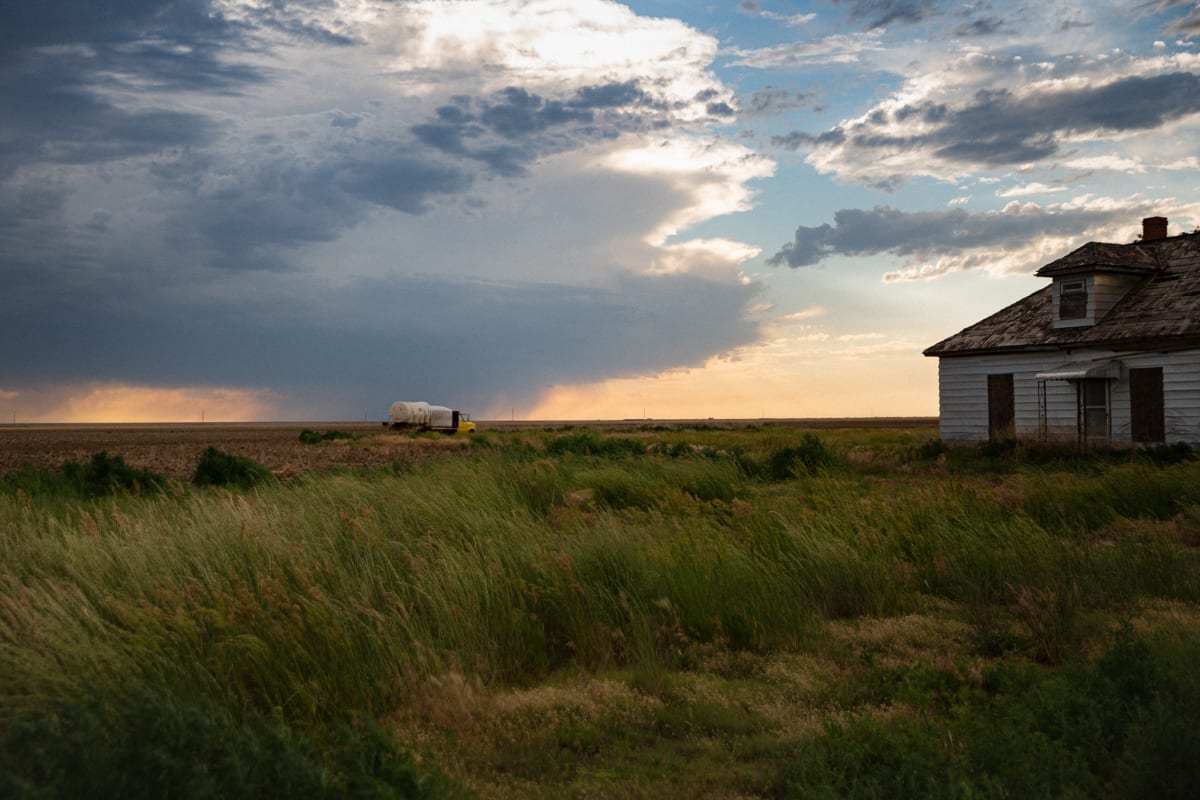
column 978, row 27
column 118, row 198
column 770, row 100
column 407, row 337
column 405, row 183
column 797, row 139
column 280, row 204
column 1187, row 26
column 610, row 95
column 70, row 127
column 514, row 127
column 36, row 24
column 998, row 128
column 51, row 115
column 59, row 60
column 881, row 13
column 883, row 229
column 520, row 113
column 168, row 44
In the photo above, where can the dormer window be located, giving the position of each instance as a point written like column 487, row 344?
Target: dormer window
column 1072, row 300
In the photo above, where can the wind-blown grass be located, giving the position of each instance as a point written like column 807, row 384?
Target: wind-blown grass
column 291, row 611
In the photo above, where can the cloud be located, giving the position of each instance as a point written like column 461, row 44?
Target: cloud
column 712, row 175
column 1019, row 238
column 881, row 13
column 792, row 20
column 377, row 338
column 770, row 100
column 1186, row 25
column 1027, row 189
column 811, row 312
column 338, row 200
column 833, row 49
column 992, row 113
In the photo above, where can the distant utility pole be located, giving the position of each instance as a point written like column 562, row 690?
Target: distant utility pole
column 202, row 416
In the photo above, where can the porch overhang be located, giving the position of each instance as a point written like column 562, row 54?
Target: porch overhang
column 1107, row 368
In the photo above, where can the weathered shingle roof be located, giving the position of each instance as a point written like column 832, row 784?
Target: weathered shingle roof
column 1162, row 312
column 1136, row 258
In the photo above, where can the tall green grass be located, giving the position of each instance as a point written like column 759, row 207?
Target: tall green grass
column 296, row 609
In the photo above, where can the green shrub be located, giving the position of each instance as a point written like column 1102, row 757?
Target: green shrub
column 1131, row 490
column 217, row 468
column 587, row 443
column 146, row 743
column 538, row 485
column 617, row 488
column 705, row 481
column 806, row 458
column 308, row 436
column 926, row 451
column 107, row 475
column 1122, row 727
column 1169, row 453
column 36, row 482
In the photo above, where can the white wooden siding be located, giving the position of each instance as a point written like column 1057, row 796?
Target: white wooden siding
column 962, row 394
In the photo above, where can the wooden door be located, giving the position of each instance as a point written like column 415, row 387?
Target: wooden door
column 1146, row 408
column 1002, row 417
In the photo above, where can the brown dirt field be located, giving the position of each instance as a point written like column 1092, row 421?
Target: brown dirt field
column 174, row 449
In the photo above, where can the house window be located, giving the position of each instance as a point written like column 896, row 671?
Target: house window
column 1072, row 300
column 1093, row 409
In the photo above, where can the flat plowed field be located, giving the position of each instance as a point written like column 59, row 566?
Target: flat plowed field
column 174, row 449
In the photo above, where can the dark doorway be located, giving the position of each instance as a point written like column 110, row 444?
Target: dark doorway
column 1002, row 418
column 1148, row 418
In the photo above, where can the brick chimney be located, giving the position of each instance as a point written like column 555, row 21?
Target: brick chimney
column 1154, row 228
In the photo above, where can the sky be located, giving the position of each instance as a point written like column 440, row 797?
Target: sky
column 557, row 209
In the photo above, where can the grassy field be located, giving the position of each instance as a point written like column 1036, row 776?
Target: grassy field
column 657, row 612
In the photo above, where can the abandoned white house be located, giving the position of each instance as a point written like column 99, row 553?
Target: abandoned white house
column 1109, row 352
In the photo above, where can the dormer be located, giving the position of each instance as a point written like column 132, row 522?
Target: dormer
column 1089, row 281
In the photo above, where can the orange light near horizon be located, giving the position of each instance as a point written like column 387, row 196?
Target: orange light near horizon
column 121, row 403
column 755, row 386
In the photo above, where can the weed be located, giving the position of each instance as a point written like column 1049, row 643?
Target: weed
column 308, row 436
column 217, row 468
column 107, row 475
column 806, row 458
column 587, row 443
column 1081, row 732
column 300, row 616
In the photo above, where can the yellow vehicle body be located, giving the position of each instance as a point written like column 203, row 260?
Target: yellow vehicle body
column 466, row 426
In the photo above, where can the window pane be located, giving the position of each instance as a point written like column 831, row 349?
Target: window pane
column 1072, row 301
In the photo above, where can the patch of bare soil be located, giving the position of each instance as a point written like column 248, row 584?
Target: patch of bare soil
column 175, row 449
